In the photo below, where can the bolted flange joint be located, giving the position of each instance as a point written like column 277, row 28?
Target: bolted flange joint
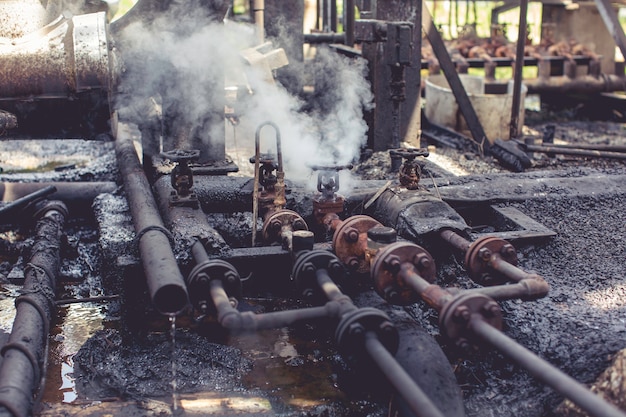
column 456, row 315
column 350, row 333
column 199, row 282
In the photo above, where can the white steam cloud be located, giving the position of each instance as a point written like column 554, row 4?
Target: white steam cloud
column 190, row 67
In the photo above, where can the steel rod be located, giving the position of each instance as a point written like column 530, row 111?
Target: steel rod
column 415, row 398
column 434, row 295
column 544, row 371
column 573, row 151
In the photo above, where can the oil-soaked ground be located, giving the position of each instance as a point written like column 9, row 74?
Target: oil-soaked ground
column 115, row 357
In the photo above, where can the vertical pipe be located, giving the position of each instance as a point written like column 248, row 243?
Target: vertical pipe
column 259, row 19
column 348, row 24
column 25, row 353
column 519, row 66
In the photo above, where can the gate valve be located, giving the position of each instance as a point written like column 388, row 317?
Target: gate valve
column 328, row 202
column 267, row 167
column 410, row 172
column 182, row 176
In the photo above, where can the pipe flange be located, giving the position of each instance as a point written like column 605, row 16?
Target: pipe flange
column 386, row 267
column 350, row 242
column 456, row 315
column 309, row 263
column 199, row 282
column 274, row 224
column 41, row 208
column 479, row 255
column 350, row 332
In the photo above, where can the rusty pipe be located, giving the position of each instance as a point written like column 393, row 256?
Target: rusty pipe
column 25, row 354
column 166, row 284
column 526, row 289
column 455, row 240
column 434, row 295
column 574, row 151
column 543, row 370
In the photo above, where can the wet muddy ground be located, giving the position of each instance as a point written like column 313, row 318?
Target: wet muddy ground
column 115, row 357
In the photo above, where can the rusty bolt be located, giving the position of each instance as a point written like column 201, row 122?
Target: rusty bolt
column 351, row 235
column 307, row 293
column 462, row 314
column 464, row 344
column 391, row 294
column 299, row 224
column 508, row 251
column 387, row 327
column 230, row 277
column 491, row 309
column 485, row 254
column 421, row 261
column 334, row 266
column 392, row 264
column 308, row 268
column 275, row 224
column 356, row 329
column 353, row 263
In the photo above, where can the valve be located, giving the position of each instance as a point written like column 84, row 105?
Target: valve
column 410, row 172
column 182, row 176
column 328, row 202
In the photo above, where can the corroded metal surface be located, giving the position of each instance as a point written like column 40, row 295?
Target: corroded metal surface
column 69, row 55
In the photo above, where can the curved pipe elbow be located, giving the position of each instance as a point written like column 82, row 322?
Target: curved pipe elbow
column 536, row 287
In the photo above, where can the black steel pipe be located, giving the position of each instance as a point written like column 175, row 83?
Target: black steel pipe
column 415, row 398
column 544, row 371
column 65, row 191
column 166, row 284
column 574, row 151
column 22, row 202
column 25, row 354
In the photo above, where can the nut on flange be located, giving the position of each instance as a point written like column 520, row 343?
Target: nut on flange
column 199, row 280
